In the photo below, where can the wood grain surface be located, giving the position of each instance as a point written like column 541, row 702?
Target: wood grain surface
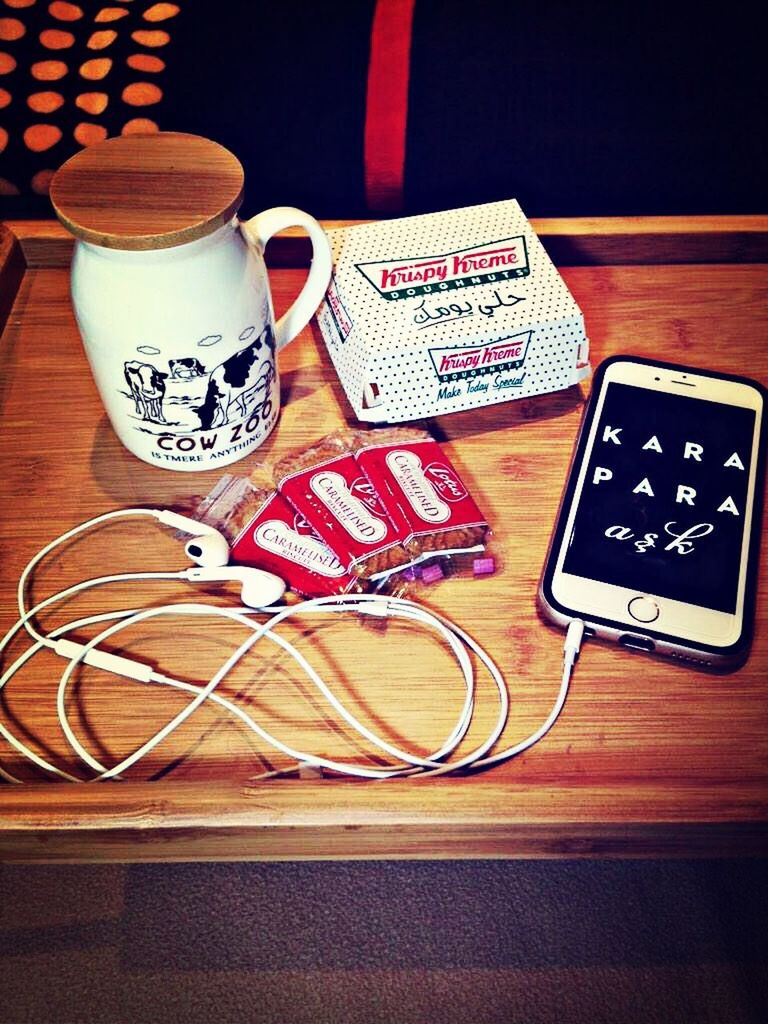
column 147, row 191
column 648, row 758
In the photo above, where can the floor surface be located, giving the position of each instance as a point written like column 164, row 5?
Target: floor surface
column 391, row 942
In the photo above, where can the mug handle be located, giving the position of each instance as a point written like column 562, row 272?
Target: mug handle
column 259, row 229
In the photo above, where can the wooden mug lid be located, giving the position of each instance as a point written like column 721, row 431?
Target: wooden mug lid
column 148, row 191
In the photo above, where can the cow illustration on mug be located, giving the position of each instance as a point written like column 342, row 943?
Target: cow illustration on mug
column 147, row 386
column 187, row 395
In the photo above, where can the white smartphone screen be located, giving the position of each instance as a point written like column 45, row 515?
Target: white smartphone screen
column 656, row 529
column 663, row 502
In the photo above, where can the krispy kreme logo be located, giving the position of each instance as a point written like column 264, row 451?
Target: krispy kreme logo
column 458, row 362
column 491, row 261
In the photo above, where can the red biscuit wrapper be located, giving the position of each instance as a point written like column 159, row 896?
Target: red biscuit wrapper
column 265, row 532
column 328, row 487
column 421, row 490
column 281, row 540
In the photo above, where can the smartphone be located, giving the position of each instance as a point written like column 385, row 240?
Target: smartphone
column 657, row 537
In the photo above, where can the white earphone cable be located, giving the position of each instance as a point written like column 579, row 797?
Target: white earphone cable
column 409, row 764
column 259, row 631
column 56, row 542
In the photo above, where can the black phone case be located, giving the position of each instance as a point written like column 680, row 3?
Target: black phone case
column 731, row 656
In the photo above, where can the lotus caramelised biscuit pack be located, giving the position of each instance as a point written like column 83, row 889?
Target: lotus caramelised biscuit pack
column 448, row 311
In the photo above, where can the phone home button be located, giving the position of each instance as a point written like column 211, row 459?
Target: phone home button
column 643, row 609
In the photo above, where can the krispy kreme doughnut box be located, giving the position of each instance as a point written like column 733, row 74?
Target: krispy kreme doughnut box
column 447, row 311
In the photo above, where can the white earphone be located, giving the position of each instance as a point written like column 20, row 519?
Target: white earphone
column 207, row 548
column 259, row 590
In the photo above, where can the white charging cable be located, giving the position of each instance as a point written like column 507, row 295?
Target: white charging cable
column 362, row 603
column 410, row 764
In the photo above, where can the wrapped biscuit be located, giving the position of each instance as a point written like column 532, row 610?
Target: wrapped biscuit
column 327, row 486
column 421, row 491
column 264, row 531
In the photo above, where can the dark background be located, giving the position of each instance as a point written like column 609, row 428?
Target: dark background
column 574, row 109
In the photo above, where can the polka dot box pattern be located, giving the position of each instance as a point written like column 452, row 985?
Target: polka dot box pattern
column 447, row 311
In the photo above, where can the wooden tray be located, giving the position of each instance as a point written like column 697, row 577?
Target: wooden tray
column 648, row 758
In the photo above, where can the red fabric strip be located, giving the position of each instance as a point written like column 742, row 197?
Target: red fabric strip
column 386, row 112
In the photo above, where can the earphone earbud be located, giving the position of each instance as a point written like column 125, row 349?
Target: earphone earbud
column 209, row 551
column 208, row 547
column 259, row 588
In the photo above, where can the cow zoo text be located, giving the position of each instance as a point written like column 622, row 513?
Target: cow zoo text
column 196, row 448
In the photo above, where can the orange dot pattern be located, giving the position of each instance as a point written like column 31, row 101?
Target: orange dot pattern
column 49, row 70
column 39, row 137
column 142, row 94
column 110, row 14
column 161, row 12
column 41, row 181
column 101, row 40
column 97, row 68
column 56, row 39
column 45, row 102
column 92, row 102
column 64, row 11
column 11, row 28
column 87, row 134
column 140, row 126
column 145, row 62
column 96, row 26
column 151, row 37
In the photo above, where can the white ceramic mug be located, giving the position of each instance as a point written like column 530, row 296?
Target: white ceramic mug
column 182, row 340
